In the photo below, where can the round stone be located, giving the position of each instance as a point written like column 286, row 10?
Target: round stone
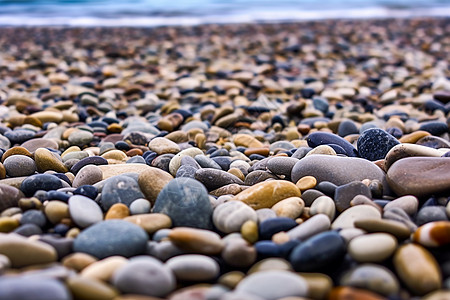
column 88, row 175
column 140, row 206
column 213, row 179
column 152, row 181
column 273, row 285
column 375, row 143
column 186, row 202
column 80, row 138
column 37, row 182
column 193, row 267
column 151, row 222
column 19, row 165
column 374, row 247
column 291, row 207
column 230, row 216
column 120, row 189
column 35, row 288
column 112, row 237
column 196, row 240
column 84, row 211
column 144, row 276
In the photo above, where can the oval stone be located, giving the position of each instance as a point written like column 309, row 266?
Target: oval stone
column 433, row 234
column 46, row 160
column 273, row 285
column 120, row 189
column 88, row 175
column 325, row 138
column 354, row 213
column 111, row 237
column 374, row 143
column 37, row 182
column 213, row 179
column 268, row 193
column 20, row 287
column 186, row 202
column 193, row 267
column 196, row 240
column 19, row 165
column 84, row 211
column 230, row 216
column 374, row 247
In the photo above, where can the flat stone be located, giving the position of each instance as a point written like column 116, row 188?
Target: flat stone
column 419, row 176
column 19, row 136
column 196, row 240
column 311, row 227
column 35, row 288
column 162, row 145
column 247, row 141
column 103, row 270
column 92, row 160
column 396, row 228
column 82, row 288
column 175, row 162
column 374, row 143
column 120, row 189
column 33, row 144
column 88, row 175
column 408, row 203
column 144, row 276
column 325, row 138
column 291, row 207
column 375, row 278
column 345, row 193
column 48, row 116
column 37, row 182
column 230, row 216
column 186, row 202
column 374, row 247
column 359, row 212
column 213, row 179
column 266, row 194
column 9, row 196
column 417, row 269
column 84, row 211
column 80, row 138
column 24, row 252
column 329, row 248
column 19, row 165
column 118, row 169
column 273, row 285
column 408, row 150
column 335, row 169
column 323, row 205
column 111, row 237
column 46, row 160
column 150, row 222
column 193, row 267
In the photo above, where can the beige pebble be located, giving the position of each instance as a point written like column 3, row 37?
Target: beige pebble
column 291, row 207
column 56, row 211
column 322, row 149
column 306, row 183
column 78, row 261
column 196, row 240
column 84, row 288
column 323, row 205
column 117, row 211
column 231, row 279
column 150, row 222
column 46, row 160
column 104, row 269
column 374, row 247
column 347, row 218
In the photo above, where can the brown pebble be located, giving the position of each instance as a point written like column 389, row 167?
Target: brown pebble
column 78, row 261
column 196, row 240
column 348, row 293
column 413, row 137
column 17, row 150
column 433, row 234
column 306, row 183
column 117, row 211
column 150, row 222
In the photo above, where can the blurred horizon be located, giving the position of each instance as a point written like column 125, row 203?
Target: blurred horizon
column 194, row 12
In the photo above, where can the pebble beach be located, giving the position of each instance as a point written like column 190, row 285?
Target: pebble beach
column 306, row 160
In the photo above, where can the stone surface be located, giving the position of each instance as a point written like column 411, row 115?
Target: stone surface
column 150, row 222
column 37, row 182
column 375, row 143
column 88, row 175
column 19, row 165
column 46, row 160
column 112, row 237
column 345, row 193
column 35, row 288
column 84, row 211
column 152, row 181
column 433, row 234
column 419, row 176
column 266, row 194
column 186, row 202
column 120, row 189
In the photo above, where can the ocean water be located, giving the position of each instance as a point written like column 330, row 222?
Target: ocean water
column 193, row 12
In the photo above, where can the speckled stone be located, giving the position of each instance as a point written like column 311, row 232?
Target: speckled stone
column 375, row 143
column 120, row 189
column 230, row 216
column 111, row 237
column 19, row 165
column 186, row 202
column 35, row 288
column 37, row 182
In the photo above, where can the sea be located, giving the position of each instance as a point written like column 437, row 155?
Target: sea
column 148, row 13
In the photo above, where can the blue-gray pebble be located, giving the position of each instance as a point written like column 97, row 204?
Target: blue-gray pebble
column 120, row 189
column 374, row 143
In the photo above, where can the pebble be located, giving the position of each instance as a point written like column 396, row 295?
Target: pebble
column 360, row 212
column 152, row 181
column 329, row 248
column 397, row 229
column 102, row 270
column 266, row 194
column 82, row 288
column 408, row 150
column 193, row 267
column 78, row 261
column 46, row 160
column 213, row 179
column 377, row 279
column 144, row 276
column 239, row 253
column 162, row 145
column 37, row 182
column 111, row 237
column 88, row 175
column 186, row 202
column 374, row 247
column 230, row 216
column 35, row 288
column 140, row 206
column 433, row 234
column 195, row 240
column 417, row 269
column 23, row 252
column 313, row 226
column 281, row 165
column 323, row 205
column 151, row 223
column 375, row 143
column 271, row 226
column 273, row 285
column 430, row 214
column 419, row 176
column 345, row 193
column 19, row 165
column 291, row 207
column 10, row 196
column 408, row 204
column 345, row 169
column 120, row 189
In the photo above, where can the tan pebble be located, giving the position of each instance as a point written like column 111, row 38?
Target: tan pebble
column 349, row 234
column 413, row 137
column 409, row 204
column 319, row 285
column 78, row 261
column 236, row 172
column 396, row 228
column 73, row 232
column 175, row 162
column 418, row 269
column 48, row 116
column 115, row 155
column 32, row 121
column 373, row 247
column 84, row 288
column 200, row 140
column 291, row 207
column 2, row 171
column 29, row 203
column 70, row 150
column 162, row 145
column 177, row 136
column 249, row 231
column 264, row 151
column 8, row 224
column 70, row 176
column 433, row 234
column 280, row 238
column 270, row 264
column 306, row 183
column 347, row 218
column 238, row 253
column 113, row 170
column 46, row 160
column 231, row 279
column 117, row 211
column 196, row 240
column 24, row 252
column 361, row 199
column 323, row 205
column 114, row 128
column 56, row 211
column 322, row 149
column 151, row 222
column 104, row 269
column 152, row 181
column 247, row 141
column 268, row 193
column 17, row 150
